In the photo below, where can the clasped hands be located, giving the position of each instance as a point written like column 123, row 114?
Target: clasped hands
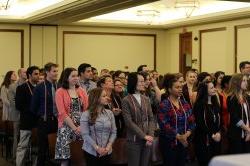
column 116, row 111
column 103, row 151
column 149, row 140
column 182, row 138
column 216, row 137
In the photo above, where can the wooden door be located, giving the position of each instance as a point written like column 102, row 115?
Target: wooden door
column 185, row 56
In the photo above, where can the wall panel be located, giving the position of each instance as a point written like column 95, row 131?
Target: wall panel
column 113, row 51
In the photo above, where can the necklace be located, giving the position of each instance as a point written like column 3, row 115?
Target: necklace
column 176, row 116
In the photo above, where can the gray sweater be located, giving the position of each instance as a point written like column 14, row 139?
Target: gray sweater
column 138, row 118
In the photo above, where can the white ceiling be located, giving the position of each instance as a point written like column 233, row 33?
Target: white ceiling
column 82, row 12
column 22, row 9
column 60, row 11
column 168, row 14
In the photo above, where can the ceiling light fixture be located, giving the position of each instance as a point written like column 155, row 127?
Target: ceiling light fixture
column 4, row 4
column 148, row 15
column 188, row 5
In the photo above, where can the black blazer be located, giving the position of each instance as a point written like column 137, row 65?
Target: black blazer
column 23, row 101
column 236, row 114
column 204, row 119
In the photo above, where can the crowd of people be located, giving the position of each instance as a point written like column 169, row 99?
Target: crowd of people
column 126, row 117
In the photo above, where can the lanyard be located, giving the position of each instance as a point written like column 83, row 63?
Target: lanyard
column 176, row 116
column 29, row 89
column 116, row 102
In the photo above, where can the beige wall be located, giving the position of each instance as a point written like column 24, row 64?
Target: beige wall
column 11, row 45
column 213, row 52
column 218, row 49
column 243, row 48
column 160, row 46
column 111, row 51
column 45, row 43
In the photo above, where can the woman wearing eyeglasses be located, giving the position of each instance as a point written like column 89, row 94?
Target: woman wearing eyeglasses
column 139, row 120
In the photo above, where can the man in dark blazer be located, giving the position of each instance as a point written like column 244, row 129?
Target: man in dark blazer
column 24, row 94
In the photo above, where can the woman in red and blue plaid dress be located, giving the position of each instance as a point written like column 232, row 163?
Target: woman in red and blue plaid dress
column 176, row 123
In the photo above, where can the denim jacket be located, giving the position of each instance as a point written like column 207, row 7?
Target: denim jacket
column 101, row 133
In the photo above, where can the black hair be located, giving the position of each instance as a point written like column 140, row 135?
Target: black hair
column 201, row 102
column 243, row 64
column 225, row 80
column 82, row 68
column 216, row 75
column 132, row 82
column 30, row 70
column 139, row 69
column 168, row 82
column 201, row 77
column 65, row 77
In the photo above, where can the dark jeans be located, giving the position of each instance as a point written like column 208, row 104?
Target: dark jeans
column 43, row 129
column 172, row 155
column 97, row 161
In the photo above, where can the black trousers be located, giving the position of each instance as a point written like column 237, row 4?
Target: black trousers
column 239, row 146
column 205, row 152
column 172, row 155
column 43, row 129
column 96, row 161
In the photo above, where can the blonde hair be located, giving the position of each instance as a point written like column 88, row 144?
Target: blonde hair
column 235, row 86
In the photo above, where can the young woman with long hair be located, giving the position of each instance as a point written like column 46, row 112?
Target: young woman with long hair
column 207, row 135
column 10, row 78
column 71, row 101
column 98, row 129
column 238, row 108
